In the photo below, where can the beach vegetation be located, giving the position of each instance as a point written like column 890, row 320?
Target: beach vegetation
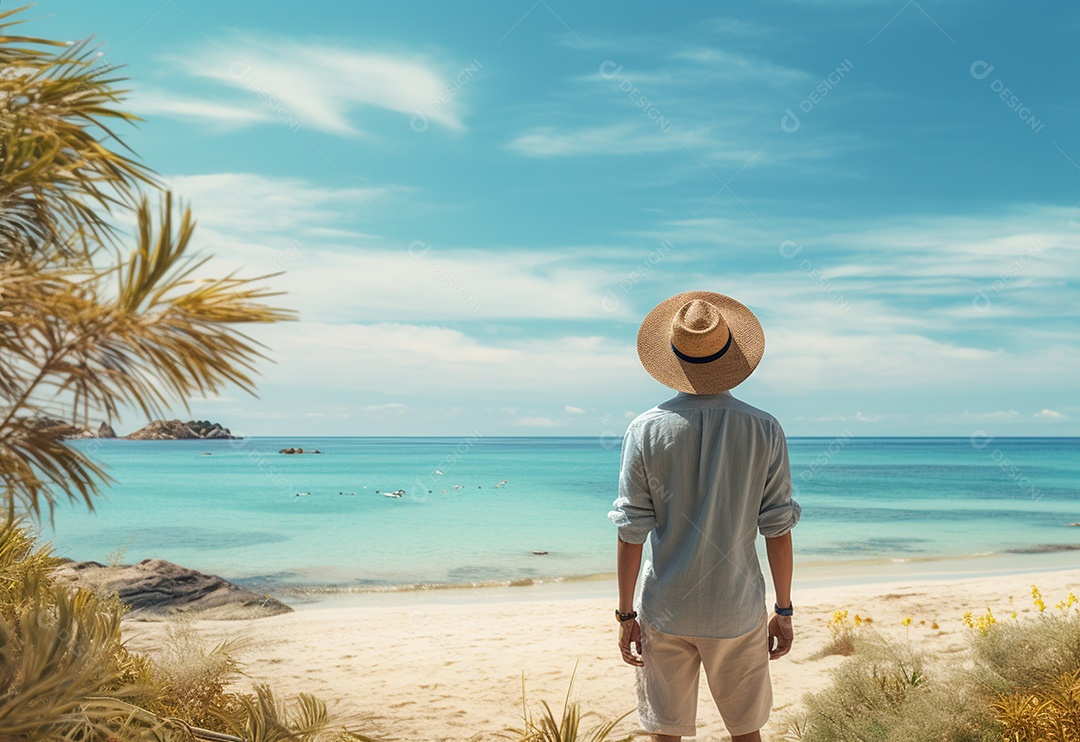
column 1018, row 682
column 546, row 726
column 66, row 674
column 90, row 326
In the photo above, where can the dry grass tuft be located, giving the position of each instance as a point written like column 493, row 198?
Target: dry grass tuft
column 546, row 727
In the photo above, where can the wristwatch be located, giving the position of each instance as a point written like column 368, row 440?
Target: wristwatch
column 789, row 611
column 623, row 617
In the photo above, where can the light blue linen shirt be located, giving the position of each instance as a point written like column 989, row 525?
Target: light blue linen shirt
column 701, row 476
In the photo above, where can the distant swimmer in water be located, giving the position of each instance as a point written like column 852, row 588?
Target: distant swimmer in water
column 302, row 494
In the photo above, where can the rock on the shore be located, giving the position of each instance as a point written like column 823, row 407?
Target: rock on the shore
column 156, row 589
column 105, row 431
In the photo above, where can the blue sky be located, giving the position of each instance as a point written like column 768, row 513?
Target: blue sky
column 475, row 204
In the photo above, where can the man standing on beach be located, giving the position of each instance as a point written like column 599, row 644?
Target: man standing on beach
column 702, row 474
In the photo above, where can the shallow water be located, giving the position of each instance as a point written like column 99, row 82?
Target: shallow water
column 869, row 504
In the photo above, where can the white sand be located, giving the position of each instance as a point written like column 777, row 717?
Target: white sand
column 447, row 665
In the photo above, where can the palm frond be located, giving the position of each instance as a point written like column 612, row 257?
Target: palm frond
column 59, row 178
column 69, row 334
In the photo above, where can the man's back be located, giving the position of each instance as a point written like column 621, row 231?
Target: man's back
column 701, row 475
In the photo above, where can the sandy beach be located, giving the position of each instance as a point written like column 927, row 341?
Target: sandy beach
column 447, row 665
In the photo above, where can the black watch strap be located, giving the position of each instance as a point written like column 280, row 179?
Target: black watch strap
column 624, row 616
column 789, row 611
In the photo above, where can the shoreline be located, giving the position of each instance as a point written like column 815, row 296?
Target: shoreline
column 808, row 575
column 446, row 665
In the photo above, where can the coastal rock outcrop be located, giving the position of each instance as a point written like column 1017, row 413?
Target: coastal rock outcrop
column 290, row 449
column 156, row 589
column 106, row 431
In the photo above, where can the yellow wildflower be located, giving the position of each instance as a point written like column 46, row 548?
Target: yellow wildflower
column 858, row 620
column 906, row 621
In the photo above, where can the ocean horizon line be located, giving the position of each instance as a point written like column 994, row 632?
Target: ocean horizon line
column 603, row 435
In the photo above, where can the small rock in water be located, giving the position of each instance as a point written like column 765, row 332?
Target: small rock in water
column 539, row 552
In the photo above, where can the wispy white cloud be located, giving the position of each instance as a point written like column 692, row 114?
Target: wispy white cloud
column 321, row 84
column 616, row 139
column 388, row 407
column 449, row 319
column 1050, row 414
column 226, row 115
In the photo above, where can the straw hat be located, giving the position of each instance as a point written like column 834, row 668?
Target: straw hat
column 700, row 342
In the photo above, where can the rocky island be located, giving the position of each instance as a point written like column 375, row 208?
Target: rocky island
column 174, row 430
column 157, row 430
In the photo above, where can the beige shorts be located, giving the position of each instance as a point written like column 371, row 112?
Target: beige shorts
column 737, row 670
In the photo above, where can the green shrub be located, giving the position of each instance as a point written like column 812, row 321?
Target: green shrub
column 882, row 692
column 1023, row 655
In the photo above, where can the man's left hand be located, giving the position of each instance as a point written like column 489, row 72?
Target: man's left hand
column 629, row 635
column 781, row 636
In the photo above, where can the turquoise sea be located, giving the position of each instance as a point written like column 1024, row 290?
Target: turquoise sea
column 875, row 507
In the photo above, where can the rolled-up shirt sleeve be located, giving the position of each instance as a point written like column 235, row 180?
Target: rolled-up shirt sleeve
column 633, row 513
column 779, row 512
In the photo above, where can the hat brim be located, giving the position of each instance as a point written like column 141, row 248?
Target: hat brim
column 727, row 372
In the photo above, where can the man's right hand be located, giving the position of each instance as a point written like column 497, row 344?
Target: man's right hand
column 781, row 636
column 630, row 634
